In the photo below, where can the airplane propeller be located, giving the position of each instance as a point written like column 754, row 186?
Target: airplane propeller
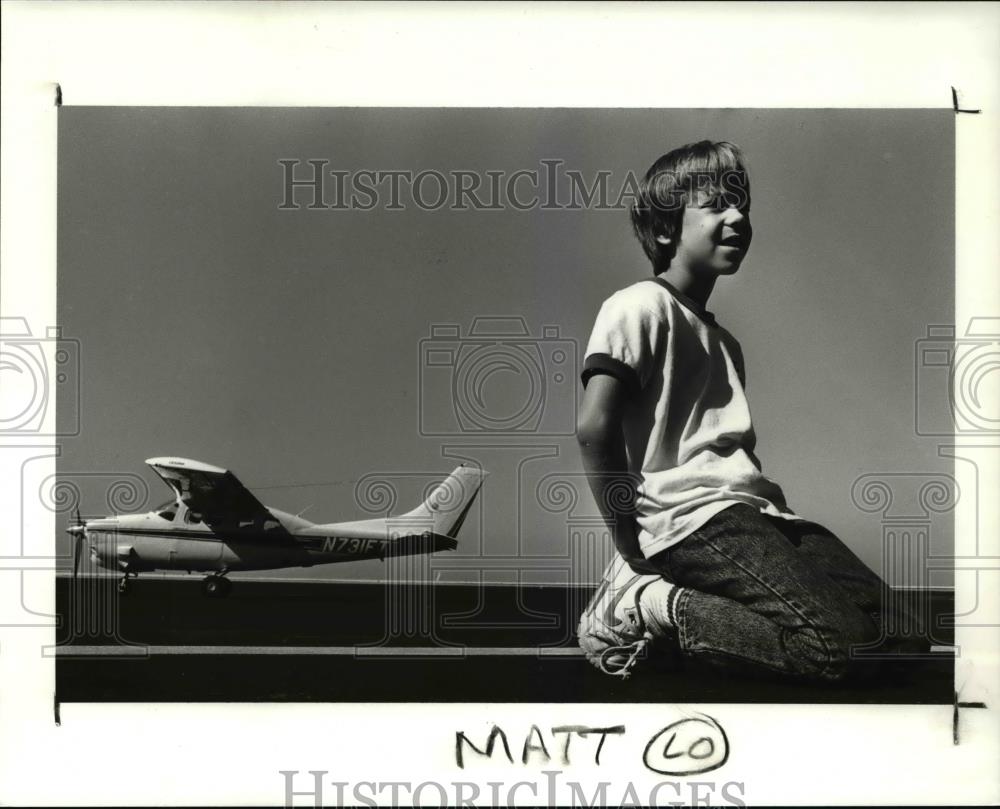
column 78, row 530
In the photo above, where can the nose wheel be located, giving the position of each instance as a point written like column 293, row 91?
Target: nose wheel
column 125, row 585
column 216, row 586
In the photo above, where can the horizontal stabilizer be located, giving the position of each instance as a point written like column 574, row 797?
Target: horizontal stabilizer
column 421, row 543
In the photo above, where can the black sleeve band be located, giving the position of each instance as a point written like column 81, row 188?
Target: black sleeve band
column 606, row 364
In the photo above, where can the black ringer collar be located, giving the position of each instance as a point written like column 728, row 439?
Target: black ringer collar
column 688, row 303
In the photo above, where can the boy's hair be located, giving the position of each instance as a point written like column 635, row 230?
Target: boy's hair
column 676, row 179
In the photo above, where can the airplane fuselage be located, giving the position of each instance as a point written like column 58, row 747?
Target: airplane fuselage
column 141, row 543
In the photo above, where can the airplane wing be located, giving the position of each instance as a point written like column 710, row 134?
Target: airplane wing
column 218, row 497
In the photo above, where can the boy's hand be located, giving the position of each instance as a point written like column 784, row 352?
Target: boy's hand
column 626, row 535
column 602, row 445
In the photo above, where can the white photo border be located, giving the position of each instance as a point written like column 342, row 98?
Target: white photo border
column 584, row 55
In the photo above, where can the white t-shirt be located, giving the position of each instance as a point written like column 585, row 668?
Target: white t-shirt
column 687, row 427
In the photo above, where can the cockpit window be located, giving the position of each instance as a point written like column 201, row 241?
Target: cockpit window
column 167, row 511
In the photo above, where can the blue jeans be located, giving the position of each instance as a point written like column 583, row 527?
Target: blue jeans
column 774, row 597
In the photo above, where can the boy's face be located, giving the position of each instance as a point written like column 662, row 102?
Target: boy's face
column 714, row 236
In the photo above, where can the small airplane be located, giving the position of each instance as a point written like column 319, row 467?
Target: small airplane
column 215, row 524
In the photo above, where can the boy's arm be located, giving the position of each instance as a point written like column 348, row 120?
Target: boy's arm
column 602, row 445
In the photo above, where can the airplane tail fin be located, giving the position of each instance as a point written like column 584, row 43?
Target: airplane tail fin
column 445, row 510
column 431, row 526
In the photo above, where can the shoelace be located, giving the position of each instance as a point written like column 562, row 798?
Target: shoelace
column 634, row 649
column 623, row 670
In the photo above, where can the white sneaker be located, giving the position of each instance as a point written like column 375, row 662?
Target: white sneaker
column 613, row 632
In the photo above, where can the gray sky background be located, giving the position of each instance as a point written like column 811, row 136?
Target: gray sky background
column 286, row 345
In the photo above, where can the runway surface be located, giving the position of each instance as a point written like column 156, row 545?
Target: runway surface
column 351, row 642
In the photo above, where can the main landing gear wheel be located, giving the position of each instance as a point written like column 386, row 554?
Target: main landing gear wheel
column 216, row 586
